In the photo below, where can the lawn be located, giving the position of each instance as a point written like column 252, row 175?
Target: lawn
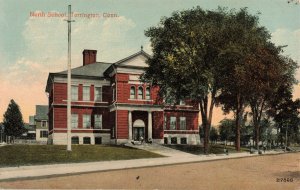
column 18, row 155
column 197, row 149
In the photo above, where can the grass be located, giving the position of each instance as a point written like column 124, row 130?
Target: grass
column 214, row 149
column 19, row 155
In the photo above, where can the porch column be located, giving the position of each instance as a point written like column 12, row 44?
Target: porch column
column 129, row 125
column 149, row 125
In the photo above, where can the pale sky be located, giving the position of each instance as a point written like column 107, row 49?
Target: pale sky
column 31, row 47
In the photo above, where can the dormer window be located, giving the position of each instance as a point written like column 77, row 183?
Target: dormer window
column 132, row 92
column 140, row 93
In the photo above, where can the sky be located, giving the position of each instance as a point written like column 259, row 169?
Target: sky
column 31, row 46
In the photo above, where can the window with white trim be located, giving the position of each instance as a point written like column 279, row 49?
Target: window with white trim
column 148, row 95
column 172, row 123
column 44, row 123
column 140, row 93
column 98, row 94
column 74, row 93
column 132, row 92
column 181, row 102
column 86, row 93
column 74, row 121
column 86, row 121
column 43, row 134
column 98, row 121
column 182, row 123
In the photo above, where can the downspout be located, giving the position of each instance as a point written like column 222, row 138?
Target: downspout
column 116, row 98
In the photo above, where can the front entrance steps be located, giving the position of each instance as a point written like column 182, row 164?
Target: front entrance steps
column 159, row 149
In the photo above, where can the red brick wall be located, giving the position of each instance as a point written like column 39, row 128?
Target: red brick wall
column 122, row 124
column 158, row 121
column 60, row 92
column 80, row 92
column 92, row 92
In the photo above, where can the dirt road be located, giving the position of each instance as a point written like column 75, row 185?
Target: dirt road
column 261, row 172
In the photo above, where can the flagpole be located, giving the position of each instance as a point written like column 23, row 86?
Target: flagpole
column 69, row 146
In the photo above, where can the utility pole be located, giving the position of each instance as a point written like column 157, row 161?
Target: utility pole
column 69, row 147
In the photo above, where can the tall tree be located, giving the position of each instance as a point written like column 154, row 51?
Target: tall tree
column 285, row 112
column 185, row 56
column 245, row 36
column 13, row 120
column 269, row 71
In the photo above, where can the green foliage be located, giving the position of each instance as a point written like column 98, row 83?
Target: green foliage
column 227, row 130
column 213, row 135
column 220, row 56
column 13, row 120
column 285, row 112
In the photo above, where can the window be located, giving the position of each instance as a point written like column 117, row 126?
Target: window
column 140, row 93
column 165, row 140
column 75, row 140
column 74, row 93
column 174, row 140
column 74, row 121
column 172, row 123
column 86, row 121
column 165, row 122
column 86, row 140
column 183, row 140
column 43, row 134
column 86, row 93
column 182, row 123
column 181, row 102
column 132, row 92
column 98, row 94
column 148, row 97
column 98, row 140
column 44, row 123
column 98, row 121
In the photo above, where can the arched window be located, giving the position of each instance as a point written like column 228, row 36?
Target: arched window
column 148, row 93
column 132, row 92
column 140, row 93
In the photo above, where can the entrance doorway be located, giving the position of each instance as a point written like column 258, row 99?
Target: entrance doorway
column 138, row 130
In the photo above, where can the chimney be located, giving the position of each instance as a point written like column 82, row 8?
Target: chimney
column 89, row 56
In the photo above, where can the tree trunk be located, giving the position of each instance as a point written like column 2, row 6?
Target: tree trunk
column 206, row 138
column 257, row 136
column 238, row 134
column 239, row 113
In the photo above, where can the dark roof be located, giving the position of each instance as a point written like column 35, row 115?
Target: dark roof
column 93, row 70
column 29, row 127
column 41, row 112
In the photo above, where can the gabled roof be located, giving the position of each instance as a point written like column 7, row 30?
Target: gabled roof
column 121, row 63
column 132, row 56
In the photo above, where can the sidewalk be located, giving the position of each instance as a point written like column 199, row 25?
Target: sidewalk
column 76, row 168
